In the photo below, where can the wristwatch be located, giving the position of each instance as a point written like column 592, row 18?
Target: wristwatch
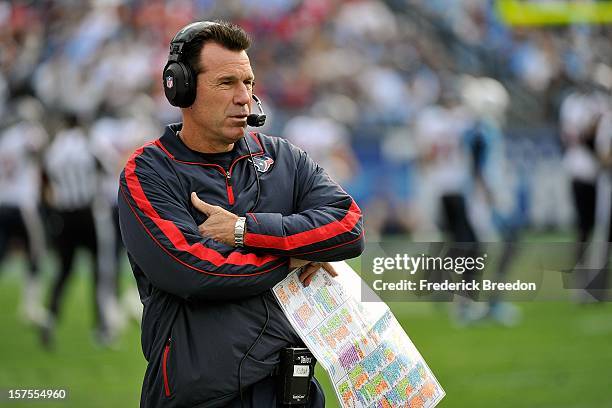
column 239, row 230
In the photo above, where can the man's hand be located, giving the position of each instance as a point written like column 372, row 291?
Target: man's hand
column 220, row 223
column 310, row 268
column 220, row 226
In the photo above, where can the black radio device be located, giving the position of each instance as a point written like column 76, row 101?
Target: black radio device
column 295, row 371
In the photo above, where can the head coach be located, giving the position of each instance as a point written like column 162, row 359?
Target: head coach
column 213, row 217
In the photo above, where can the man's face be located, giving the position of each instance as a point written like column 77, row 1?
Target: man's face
column 224, row 94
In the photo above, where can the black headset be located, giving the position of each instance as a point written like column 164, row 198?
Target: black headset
column 179, row 78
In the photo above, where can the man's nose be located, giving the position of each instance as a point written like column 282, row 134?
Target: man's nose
column 242, row 96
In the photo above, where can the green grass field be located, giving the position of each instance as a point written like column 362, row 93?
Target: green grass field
column 559, row 356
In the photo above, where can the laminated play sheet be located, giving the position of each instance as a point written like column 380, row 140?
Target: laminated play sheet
column 370, row 359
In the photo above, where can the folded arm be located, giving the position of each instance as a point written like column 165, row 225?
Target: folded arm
column 162, row 237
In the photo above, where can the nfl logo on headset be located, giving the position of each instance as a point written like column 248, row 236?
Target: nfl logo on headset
column 169, row 81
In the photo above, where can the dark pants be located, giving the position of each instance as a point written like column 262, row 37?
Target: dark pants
column 13, row 227
column 458, row 224
column 71, row 230
column 462, row 235
column 263, row 395
column 585, row 197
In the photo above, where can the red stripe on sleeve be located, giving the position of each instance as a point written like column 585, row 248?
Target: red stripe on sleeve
column 309, row 237
column 173, row 233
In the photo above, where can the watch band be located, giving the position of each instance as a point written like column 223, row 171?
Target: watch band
column 239, row 231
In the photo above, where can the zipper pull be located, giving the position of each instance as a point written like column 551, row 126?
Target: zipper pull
column 230, row 190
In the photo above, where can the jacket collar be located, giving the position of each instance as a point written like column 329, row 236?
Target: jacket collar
column 176, row 149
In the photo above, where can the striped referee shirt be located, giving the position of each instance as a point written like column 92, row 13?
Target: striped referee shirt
column 72, row 171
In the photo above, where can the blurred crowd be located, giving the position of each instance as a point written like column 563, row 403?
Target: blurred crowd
column 430, row 112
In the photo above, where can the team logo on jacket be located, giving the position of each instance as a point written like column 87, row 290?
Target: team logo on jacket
column 263, row 163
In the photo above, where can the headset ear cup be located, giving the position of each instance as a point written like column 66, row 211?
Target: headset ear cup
column 172, row 80
column 190, row 85
column 179, row 84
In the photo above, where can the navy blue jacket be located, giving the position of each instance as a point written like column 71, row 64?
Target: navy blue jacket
column 205, row 302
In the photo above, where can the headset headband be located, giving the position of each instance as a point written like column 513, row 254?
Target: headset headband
column 187, row 33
